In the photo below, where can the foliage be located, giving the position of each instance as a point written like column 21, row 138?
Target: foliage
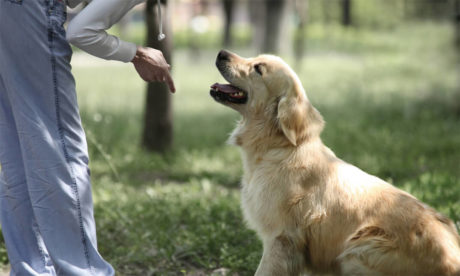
column 323, row 14
column 187, row 38
column 391, row 103
column 381, row 13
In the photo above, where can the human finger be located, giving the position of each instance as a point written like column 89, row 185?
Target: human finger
column 169, row 81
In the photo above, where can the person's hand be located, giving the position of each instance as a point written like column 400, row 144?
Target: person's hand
column 152, row 66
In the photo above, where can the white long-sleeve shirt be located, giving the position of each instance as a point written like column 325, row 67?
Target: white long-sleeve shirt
column 87, row 30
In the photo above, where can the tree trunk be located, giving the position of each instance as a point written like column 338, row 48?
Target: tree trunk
column 228, row 14
column 457, row 23
column 326, row 11
column 273, row 22
column 346, row 12
column 257, row 17
column 406, row 9
column 301, row 9
column 158, row 126
column 457, row 44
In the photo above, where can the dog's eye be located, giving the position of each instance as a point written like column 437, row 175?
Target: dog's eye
column 258, row 68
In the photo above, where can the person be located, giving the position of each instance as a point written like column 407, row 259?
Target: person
column 46, row 208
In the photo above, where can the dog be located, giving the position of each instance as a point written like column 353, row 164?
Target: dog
column 313, row 212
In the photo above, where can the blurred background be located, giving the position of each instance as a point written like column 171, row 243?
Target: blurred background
column 383, row 73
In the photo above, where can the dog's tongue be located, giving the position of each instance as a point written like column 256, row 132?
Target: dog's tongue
column 226, row 88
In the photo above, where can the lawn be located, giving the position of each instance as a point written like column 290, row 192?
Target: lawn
column 391, row 102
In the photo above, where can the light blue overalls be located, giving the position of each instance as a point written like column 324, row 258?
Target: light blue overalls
column 45, row 192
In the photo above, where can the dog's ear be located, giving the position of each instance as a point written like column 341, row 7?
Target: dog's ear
column 297, row 118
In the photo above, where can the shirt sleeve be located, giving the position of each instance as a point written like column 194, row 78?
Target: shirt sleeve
column 87, row 30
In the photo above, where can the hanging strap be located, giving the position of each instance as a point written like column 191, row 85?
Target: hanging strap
column 161, row 35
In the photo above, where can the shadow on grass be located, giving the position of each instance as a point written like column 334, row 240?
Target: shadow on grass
column 199, row 151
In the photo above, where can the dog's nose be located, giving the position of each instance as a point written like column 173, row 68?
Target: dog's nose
column 223, row 55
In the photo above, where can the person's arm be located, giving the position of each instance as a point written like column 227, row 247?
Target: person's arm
column 87, row 31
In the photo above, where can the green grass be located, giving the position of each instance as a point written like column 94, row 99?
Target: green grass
column 392, row 106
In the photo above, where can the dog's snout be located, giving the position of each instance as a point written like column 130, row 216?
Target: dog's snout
column 222, row 59
column 223, row 55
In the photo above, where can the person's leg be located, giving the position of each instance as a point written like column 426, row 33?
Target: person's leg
column 26, row 251
column 35, row 59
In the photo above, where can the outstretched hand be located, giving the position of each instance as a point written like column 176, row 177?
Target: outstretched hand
column 151, row 66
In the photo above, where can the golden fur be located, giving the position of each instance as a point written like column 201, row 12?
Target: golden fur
column 314, row 212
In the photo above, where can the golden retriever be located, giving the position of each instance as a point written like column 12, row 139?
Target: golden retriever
column 314, row 212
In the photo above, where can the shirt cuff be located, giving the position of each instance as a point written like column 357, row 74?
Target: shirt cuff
column 126, row 51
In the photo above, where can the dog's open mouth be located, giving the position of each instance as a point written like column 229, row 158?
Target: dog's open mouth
column 228, row 93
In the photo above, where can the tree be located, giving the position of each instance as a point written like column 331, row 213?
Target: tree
column 273, row 22
column 228, row 12
column 158, row 125
column 301, row 11
column 257, row 17
column 267, row 18
column 456, row 17
column 346, row 12
column 457, row 44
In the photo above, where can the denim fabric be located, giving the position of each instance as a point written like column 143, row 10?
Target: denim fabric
column 46, row 208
